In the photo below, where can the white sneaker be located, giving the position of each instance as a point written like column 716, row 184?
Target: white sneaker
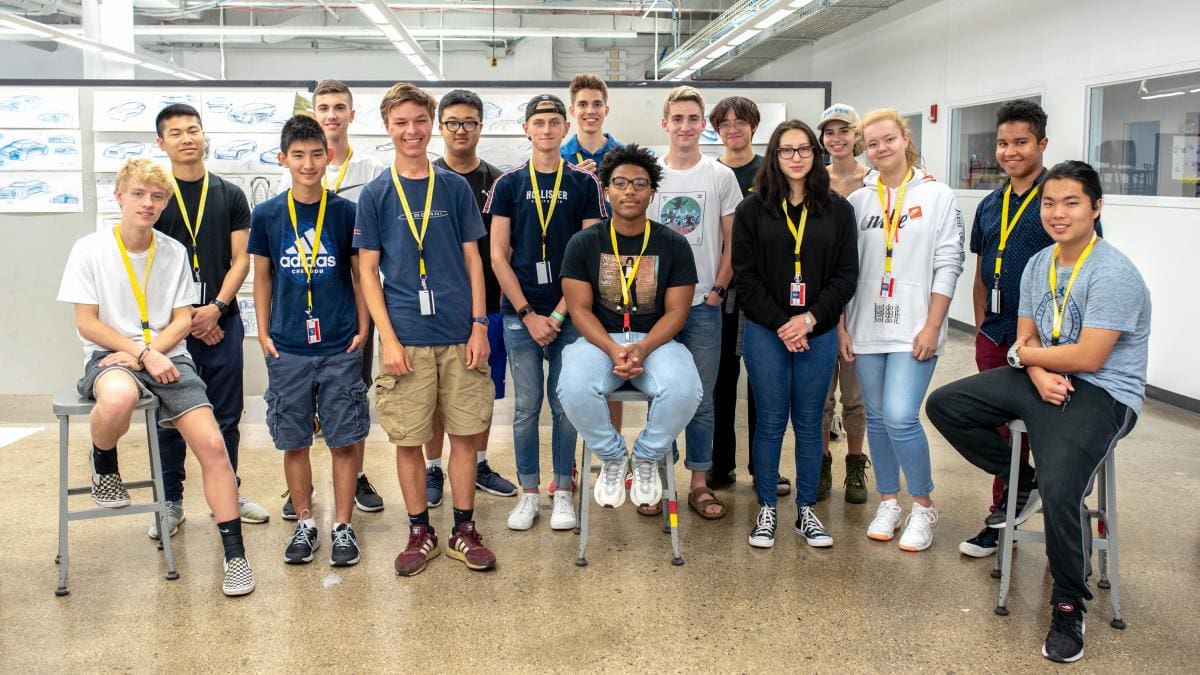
column 522, row 517
column 610, row 484
column 252, row 513
column 563, row 516
column 887, row 520
column 647, row 486
column 918, row 530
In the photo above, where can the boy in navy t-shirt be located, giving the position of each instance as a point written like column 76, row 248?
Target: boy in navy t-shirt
column 312, row 324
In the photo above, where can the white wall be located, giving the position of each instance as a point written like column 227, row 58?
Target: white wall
column 972, row 51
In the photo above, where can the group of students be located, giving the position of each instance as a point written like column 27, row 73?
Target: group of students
column 595, row 265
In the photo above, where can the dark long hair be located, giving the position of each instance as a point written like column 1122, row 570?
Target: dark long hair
column 771, row 185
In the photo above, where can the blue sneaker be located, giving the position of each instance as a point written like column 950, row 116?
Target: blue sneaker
column 491, row 482
column 434, row 482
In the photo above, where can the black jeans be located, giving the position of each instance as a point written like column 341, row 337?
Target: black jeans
column 725, row 399
column 1068, row 445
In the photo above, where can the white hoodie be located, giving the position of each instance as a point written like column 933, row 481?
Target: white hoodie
column 927, row 258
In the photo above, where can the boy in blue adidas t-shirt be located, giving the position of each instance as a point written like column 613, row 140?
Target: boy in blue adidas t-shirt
column 312, row 324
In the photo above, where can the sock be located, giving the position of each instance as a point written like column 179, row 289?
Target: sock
column 231, row 538
column 104, row 461
column 463, row 516
column 480, row 456
column 361, row 475
column 309, row 523
column 430, row 463
column 337, row 525
column 421, row 518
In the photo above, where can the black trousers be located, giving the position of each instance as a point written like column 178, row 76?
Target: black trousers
column 1068, row 445
column 725, row 398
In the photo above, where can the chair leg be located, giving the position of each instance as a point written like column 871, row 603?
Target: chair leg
column 671, row 509
column 1010, row 524
column 63, row 558
column 1110, row 534
column 160, row 496
column 585, row 477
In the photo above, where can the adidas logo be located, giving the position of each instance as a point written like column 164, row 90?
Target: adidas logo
column 291, row 257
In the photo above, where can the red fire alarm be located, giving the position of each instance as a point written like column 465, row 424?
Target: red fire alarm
column 933, row 113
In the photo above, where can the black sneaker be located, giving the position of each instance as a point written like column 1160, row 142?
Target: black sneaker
column 1064, row 643
column 718, row 481
column 344, row 551
column 825, row 482
column 1029, row 502
column 981, row 545
column 489, row 481
column 289, row 509
column 435, row 482
column 301, row 545
column 763, row 534
column 108, row 490
column 365, row 497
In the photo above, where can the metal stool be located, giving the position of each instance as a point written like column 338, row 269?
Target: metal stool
column 1105, row 542
column 66, row 404
column 670, row 508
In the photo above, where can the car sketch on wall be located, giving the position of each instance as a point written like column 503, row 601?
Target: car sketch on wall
column 219, row 104
column 235, row 150
column 64, row 198
column 270, row 157
column 23, row 189
column 62, row 140
column 21, row 102
column 125, row 150
column 54, row 116
column 253, row 113
column 66, row 150
column 126, row 110
column 21, row 149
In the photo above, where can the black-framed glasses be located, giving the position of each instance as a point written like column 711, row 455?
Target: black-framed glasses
column 622, row 184
column 738, row 123
column 455, row 125
column 804, row 151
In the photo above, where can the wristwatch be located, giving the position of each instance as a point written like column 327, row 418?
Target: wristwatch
column 480, row 320
column 220, row 305
column 1014, row 359
column 721, row 291
column 525, row 311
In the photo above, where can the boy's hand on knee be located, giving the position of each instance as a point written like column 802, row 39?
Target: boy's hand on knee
column 122, row 359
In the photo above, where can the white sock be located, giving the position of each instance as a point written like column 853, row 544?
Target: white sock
column 309, row 522
column 430, row 463
column 361, row 474
column 480, row 456
column 337, row 525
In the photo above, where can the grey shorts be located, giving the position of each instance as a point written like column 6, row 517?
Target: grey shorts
column 174, row 399
column 301, row 387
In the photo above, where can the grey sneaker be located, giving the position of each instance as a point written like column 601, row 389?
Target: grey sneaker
column 175, row 518
column 108, row 490
column 250, row 512
column 239, row 578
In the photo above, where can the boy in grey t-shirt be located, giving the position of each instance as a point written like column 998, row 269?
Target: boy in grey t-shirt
column 1077, row 380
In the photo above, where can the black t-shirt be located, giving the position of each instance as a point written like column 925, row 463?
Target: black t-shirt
column 667, row 263
column 481, row 180
column 225, row 210
column 745, row 174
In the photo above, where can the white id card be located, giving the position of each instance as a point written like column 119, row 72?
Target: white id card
column 313, row 326
column 797, row 296
column 425, row 298
column 198, row 286
column 995, row 301
column 543, row 272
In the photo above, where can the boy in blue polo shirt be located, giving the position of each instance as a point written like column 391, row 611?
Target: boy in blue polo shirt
column 312, row 326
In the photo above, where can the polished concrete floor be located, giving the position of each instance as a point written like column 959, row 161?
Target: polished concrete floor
column 859, row 606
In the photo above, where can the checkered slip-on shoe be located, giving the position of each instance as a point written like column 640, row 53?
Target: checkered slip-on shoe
column 108, row 491
column 239, row 578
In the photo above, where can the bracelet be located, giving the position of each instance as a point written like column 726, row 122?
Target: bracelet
column 525, row 311
column 142, row 356
column 560, row 317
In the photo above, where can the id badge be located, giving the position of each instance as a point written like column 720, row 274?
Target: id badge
column 198, row 286
column 995, row 301
column 313, row 326
column 425, row 298
column 543, row 272
column 797, row 297
column 885, row 286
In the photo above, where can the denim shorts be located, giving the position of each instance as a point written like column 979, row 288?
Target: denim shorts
column 300, row 387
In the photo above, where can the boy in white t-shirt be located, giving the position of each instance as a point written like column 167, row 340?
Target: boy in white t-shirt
column 133, row 294
column 697, row 198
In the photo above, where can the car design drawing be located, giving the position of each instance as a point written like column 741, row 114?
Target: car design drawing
column 270, row 157
column 23, row 189
column 21, row 149
column 126, row 110
column 125, row 150
column 66, row 150
column 253, row 113
column 62, row 140
column 219, row 104
column 21, row 102
column 64, row 198
column 54, row 117
column 235, row 150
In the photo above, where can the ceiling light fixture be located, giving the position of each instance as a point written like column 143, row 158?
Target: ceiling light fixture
column 379, row 14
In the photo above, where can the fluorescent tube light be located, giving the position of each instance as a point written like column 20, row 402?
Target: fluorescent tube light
column 773, row 19
column 744, row 37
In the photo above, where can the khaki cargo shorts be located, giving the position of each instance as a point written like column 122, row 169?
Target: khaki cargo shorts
column 440, row 380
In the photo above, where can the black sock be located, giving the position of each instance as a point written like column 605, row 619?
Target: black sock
column 231, row 538
column 421, row 518
column 104, row 461
column 463, row 516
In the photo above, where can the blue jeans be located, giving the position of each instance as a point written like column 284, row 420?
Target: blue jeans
column 669, row 379
column 530, row 384
column 788, row 384
column 893, row 386
column 702, row 337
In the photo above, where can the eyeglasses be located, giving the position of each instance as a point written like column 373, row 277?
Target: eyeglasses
column 455, row 125
column 621, row 184
column 804, row 151
column 739, row 124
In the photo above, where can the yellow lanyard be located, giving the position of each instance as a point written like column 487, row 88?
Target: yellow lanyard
column 139, row 290
column 891, row 223
column 1007, row 227
column 579, row 157
column 544, row 217
column 187, row 222
column 1056, row 331
column 412, row 225
column 797, row 233
column 308, row 264
column 627, row 280
column 337, row 185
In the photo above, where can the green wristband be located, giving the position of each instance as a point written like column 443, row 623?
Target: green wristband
column 560, row 317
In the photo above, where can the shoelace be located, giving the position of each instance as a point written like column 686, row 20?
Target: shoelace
column 471, row 537
column 302, row 535
column 645, row 472
column 414, row 540
column 927, row 516
column 343, row 537
column 528, row 503
column 482, row 469
column 613, row 473
column 432, row 478
column 810, row 523
column 365, row 486
column 856, row 474
column 766, row 521
column 562, row 504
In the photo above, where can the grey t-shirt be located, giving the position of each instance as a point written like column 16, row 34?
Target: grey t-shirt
column 1108, row 294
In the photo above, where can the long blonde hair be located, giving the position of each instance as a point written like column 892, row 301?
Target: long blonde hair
column 912, row 154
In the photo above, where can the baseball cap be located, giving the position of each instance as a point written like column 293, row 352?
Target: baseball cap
column 839, row 112
column 545, row 103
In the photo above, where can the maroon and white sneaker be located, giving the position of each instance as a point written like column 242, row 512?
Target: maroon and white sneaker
column 422, row 547
column 466, row 544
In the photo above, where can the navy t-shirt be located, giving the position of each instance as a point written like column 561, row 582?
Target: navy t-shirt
column 579, row 199
column 454, row 219
column 272, row 237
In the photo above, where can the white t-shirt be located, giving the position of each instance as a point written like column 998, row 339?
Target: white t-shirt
column 362, row 169
column 95, row 275
column 692, row 202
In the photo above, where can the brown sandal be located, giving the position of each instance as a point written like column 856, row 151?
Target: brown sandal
column 654, row 509
column 696, row 500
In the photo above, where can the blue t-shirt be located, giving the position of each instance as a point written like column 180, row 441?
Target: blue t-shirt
column 1109, row 293
column 272, row 237
column 575, row 153
column 579, row 199
column 454, row 219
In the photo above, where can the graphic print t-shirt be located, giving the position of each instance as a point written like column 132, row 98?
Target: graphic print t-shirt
column 666, row 263
column 272, row 237
column 692, row 202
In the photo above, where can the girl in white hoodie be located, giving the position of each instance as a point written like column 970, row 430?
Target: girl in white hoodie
column 910, row 253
